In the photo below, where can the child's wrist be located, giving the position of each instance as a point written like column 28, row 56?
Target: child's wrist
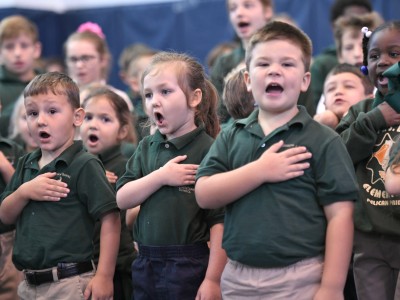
column 105, row 275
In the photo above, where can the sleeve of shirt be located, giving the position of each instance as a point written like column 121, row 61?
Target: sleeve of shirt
column 217, row 159
column 215, row 216
column 133, row 168
column 359, row 129
column 335, row 175
column 95, row 190
column 16, row 179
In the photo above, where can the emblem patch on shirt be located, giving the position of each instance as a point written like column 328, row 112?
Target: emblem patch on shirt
column 186, row 189
column 63, row 177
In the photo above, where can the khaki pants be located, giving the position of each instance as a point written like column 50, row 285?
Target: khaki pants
column 10, row 277
column 299, row 281
column 71, row 288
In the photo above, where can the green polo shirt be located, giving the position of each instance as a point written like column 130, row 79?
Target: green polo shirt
column 170, row 216
column 51, row 232
column 279, row 224
column 12, row 151
column 114, row 161
column 11, row 87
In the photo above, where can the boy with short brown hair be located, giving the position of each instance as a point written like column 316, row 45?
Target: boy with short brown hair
column 286, row 181
column 345, row 85
column 19, row 50
column 54, row 198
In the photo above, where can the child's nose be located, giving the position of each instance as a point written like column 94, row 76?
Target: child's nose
column 338, row 91
column 239, row 11
column 358, row 52
column 93, row 124
column 155, row 101
column 17, row 50
column 274, row 69
column 41, row 120
column 384, row 60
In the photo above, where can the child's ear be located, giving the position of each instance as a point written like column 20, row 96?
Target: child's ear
column 340, row 57
column 246, row 77
column 37, row 50
column 196, row 98
column 134, row 84
column 268, row 13
column 122, row 133
column 123, row 77
column 79, row 115
column 104, row 61
column 306, row 81
column 367, row 96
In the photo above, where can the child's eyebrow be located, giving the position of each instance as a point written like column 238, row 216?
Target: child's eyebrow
column 350, row 81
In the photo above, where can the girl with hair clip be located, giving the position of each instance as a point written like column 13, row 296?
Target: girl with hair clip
column 106, row 125
column 368, row 130
column 88, row 58
column 172, row 231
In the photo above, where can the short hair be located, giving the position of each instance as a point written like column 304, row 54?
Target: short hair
column 238, row 100
column 355, row 23
column 277, row 30
column 264, row 3
column 56, row 83
column 339, row 7
column 347, row 68
column 13, row 26
column 131, row 53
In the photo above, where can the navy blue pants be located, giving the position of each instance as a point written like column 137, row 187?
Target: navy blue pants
column 169, row 272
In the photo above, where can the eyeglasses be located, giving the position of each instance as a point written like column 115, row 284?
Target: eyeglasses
column 84, row 59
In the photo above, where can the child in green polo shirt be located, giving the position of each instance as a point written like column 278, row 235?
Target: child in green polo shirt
column 246, row 17
column 19, row 49
column 54, row 198
column 10, row 152
column 107, row 124
column 287, row 183
column 172, row 231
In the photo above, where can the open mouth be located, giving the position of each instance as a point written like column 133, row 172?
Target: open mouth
column 243, row 24
column 159, row 118
column 44, row 135
column 93, row 138
column 274, row 88
column 382, row 80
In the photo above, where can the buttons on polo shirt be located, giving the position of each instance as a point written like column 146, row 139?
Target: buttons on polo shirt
column 167, row 146
column 263, row 145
